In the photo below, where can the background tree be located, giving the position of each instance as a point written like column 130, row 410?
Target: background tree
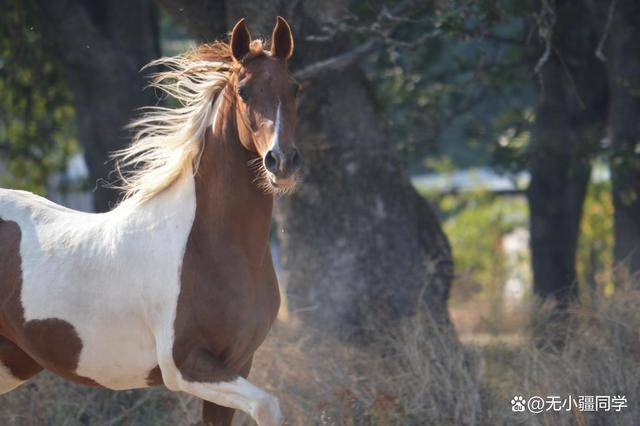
column 569, row 120
column 622, row 33
column 102, row 46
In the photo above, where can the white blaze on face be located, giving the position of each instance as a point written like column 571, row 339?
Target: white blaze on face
column 275, row 141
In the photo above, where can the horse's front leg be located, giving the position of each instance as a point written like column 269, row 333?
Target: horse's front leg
column 217, row 415
column 203, row 376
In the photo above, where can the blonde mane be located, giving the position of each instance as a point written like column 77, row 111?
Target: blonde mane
column 168, row 141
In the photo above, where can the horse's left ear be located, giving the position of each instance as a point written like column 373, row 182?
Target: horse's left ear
column 240, row 40
column 282, row 39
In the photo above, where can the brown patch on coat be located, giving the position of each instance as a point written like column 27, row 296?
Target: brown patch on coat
column 229, row 292
column 20, row 364
column 154, row 378
column 51, row 343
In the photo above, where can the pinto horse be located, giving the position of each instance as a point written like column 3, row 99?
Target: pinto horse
column 175, row 285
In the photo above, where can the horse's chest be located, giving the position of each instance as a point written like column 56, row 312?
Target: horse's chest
column 230, row 313
column 244, row 321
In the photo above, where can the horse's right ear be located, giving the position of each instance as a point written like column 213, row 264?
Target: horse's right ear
column 240, row 40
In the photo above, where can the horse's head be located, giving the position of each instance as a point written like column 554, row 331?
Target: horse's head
column 266, row 105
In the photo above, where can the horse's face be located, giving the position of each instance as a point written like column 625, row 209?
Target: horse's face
column 266, row 106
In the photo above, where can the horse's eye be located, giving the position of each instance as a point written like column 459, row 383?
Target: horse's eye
column 244, row 93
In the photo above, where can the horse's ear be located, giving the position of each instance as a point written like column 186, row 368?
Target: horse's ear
column 240, row 40
column 282, row 39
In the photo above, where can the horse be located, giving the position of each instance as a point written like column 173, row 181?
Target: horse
column 175, row 286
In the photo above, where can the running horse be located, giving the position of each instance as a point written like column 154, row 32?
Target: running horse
column 175, row 285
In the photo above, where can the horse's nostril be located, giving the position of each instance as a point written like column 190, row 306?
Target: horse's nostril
column 270, row 162
column 296, row 160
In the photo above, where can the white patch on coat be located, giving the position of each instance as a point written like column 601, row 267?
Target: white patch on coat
column 115, row 277
column 240, row 394
column 8, row 381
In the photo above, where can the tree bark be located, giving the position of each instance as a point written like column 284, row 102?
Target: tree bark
column 564, row 140
column 103, row 45
column 356, row 239
column 623, row 64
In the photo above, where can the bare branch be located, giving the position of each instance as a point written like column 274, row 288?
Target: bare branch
column 338, row 62
column 546, row 21
column 605, row 33
column 388, row 21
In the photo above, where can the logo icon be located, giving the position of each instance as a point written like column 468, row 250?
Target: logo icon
column 517, row 404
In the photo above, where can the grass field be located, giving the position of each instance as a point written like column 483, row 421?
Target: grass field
column 416, row 375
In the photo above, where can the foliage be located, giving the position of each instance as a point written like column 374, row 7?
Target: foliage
column 37, row 130
column 595, row 246
column 476, row 224
column 452, row 82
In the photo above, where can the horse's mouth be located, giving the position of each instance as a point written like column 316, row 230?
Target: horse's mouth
column 283, row 185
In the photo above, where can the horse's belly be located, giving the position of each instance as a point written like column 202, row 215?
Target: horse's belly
column 118, row 357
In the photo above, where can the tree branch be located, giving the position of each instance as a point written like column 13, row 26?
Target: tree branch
column 338, row 62
column 546, row 20
column 387, row 22
column 605, row 33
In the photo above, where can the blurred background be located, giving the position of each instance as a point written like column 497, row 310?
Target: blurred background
column 468, row 228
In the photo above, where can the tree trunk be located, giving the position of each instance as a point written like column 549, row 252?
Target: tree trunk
column 564, row 140
column 356, row 240
column 623, row 63
column 103, row 45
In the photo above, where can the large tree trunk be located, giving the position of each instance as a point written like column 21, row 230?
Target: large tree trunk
column 623, row 63
column 356, row 239
column 564, row 140
column 103, row 45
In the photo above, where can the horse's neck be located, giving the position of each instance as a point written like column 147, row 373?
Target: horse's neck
column 230, row 209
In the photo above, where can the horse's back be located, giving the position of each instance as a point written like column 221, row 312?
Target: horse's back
column 15, row 201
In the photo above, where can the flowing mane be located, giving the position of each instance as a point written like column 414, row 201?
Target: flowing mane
column 168, row 141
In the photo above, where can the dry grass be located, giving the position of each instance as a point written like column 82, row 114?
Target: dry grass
column 50, row 400
column 597, row 352
column 413, row 375
column 417, row 373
